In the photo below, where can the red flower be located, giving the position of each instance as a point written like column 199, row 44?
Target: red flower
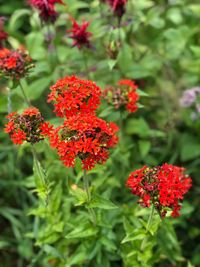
column 18, row 137
column 46, row 9
column 15, row 64
column 163, row 186
column 32, row 111
column 3, row 34
column 4, row 53
column 132, row 100
column 46, row 128
column 118, row 7
column 72, row 96
column 123, row 96
column 128, row 83
column 85, row 137
column 29, row 126
column 11, row 63
column 80, row 35
column 9, row 127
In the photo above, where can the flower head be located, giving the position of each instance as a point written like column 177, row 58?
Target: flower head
column 28, row 126
column 162, row 186
column 15, row 64
column 3, row 34
column 80, row 35
column 118, row 7
column 123, row 96
column 191, row 100
column 72, row 95
column 85, row 137
column 46, row 9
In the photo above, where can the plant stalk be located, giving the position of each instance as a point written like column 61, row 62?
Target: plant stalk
column 87, row 190
column 24, row 95
column 147, row 228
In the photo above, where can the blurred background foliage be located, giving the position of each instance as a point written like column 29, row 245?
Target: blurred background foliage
column 158, row 45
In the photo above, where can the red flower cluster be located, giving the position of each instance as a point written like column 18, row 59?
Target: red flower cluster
column 29, row 126
column 72, row 96
column 85, row 137
column 46, row 9
column 123, row 96
column 14, row 64
column 82, row 135
column 118, row 7
column 3, row 34
column 163, row 186
column 80, row 34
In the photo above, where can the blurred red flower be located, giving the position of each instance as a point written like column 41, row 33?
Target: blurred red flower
column 15, row 63
column 123, row 96
column 118, row 6
column 72, row 95
column 46, row 9
column 3, row 34
column 85, row 137
column 28, row 126
column 80, row 34
column 162, row 186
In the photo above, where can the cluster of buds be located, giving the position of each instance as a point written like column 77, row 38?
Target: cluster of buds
column 124, row 96
column 46, row 9
column 3, row 34
column 79, row 34
column 15, row 64
column 113, row 49
column 82, row 135
column 162, row 186
column 28, row 126
column 85, row 137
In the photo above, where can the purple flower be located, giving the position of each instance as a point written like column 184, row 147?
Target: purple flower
column 189, row 97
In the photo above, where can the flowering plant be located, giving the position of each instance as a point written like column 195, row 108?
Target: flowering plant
column 46, row 9
column 123, row 96
column 15, row 64
column 162, row 186
column 191, row 100
column 72, row 95
column 85, row 137
column 28, row 126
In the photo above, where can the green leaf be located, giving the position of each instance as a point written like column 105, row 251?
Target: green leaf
column 36, row 88
column 16, row 16
column 138, row 126
column 174, row 14
column 137, row 234
column 111, row 63
column 124, row 59
column 56, row 197
column 82, row 232
column 79, row 194
column 190, row 147
column 101, row 203
column 141, row 93
column 144, row 147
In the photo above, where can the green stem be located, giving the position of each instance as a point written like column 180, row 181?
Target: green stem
column 87, row 71
column 147, row 228
column 87, row 190
column 37, row 164
column 41, row 175
column 24, row 94
column 86, row 186
column 9, row 105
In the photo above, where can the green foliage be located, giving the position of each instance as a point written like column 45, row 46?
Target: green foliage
column 46, row 218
